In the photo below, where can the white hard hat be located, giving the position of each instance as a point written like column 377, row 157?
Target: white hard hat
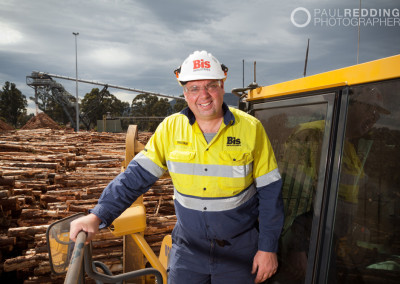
column 200, row 65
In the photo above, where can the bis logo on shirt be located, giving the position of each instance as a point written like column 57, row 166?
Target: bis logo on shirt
column 232, row 141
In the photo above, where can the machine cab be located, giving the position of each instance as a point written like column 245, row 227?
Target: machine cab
column 336, row 137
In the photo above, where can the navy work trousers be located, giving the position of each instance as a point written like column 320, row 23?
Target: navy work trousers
column 209, row 261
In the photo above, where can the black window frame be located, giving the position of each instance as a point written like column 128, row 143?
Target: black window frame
column 322, row 224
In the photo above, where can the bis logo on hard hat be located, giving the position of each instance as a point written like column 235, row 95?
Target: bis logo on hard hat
column 200, row 65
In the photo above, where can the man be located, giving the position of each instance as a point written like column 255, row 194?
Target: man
column 227, row 187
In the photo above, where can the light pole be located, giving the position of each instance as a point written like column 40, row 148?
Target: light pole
column 76, row 81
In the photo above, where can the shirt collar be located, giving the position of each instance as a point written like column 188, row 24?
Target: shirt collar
column 228, row 115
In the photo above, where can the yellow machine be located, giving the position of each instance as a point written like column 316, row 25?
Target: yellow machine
column 132, row 223
column 336, row 137
column 374, row 71
column 58, row 244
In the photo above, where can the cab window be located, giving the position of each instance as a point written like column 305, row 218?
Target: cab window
column 365, row 246
column 299, row 133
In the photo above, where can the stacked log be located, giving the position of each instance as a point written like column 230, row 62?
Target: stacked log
column 49, row 174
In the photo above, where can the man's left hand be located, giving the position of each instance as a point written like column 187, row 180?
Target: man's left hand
column 265, row 264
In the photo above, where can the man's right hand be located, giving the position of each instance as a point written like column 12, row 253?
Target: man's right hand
column 89, row 223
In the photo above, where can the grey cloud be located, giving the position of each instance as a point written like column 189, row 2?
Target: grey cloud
column 138, row 43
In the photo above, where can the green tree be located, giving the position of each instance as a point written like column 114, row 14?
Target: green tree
column 98, row 103
column 180, row 105
column 148, row 106
column 12, row 104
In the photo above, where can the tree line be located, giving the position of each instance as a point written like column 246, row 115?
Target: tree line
column 13, row 108
column 13, row 105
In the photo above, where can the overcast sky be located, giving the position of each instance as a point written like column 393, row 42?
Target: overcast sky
column 138, row 44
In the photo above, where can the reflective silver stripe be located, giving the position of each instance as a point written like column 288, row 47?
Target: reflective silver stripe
column 215, row 204
column 210, row 170
column 149, row 165
column 268, row 178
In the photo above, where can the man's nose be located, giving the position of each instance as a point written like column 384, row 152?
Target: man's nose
column 203, row 91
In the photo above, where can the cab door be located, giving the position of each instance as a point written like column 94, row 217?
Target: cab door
column 360, row 238
column 339, row 156
column 301, row 132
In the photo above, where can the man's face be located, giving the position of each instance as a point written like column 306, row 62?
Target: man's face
column 205, row 98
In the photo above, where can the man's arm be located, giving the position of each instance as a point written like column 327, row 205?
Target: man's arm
column 269, row 185
column 141, row 173
column 116, row 197
column 123, row 191
column 271, row 219
column 271, row 216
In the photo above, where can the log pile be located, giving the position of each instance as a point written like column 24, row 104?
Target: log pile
column 48, row 174
column 5, row 126
column 41, row 120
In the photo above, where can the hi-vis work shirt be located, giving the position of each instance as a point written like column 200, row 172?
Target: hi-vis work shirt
column 221, row 189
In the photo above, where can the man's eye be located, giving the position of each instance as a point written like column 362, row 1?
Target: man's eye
column 194, row 89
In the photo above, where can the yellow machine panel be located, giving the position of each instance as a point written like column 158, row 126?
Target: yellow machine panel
column 382, row 69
